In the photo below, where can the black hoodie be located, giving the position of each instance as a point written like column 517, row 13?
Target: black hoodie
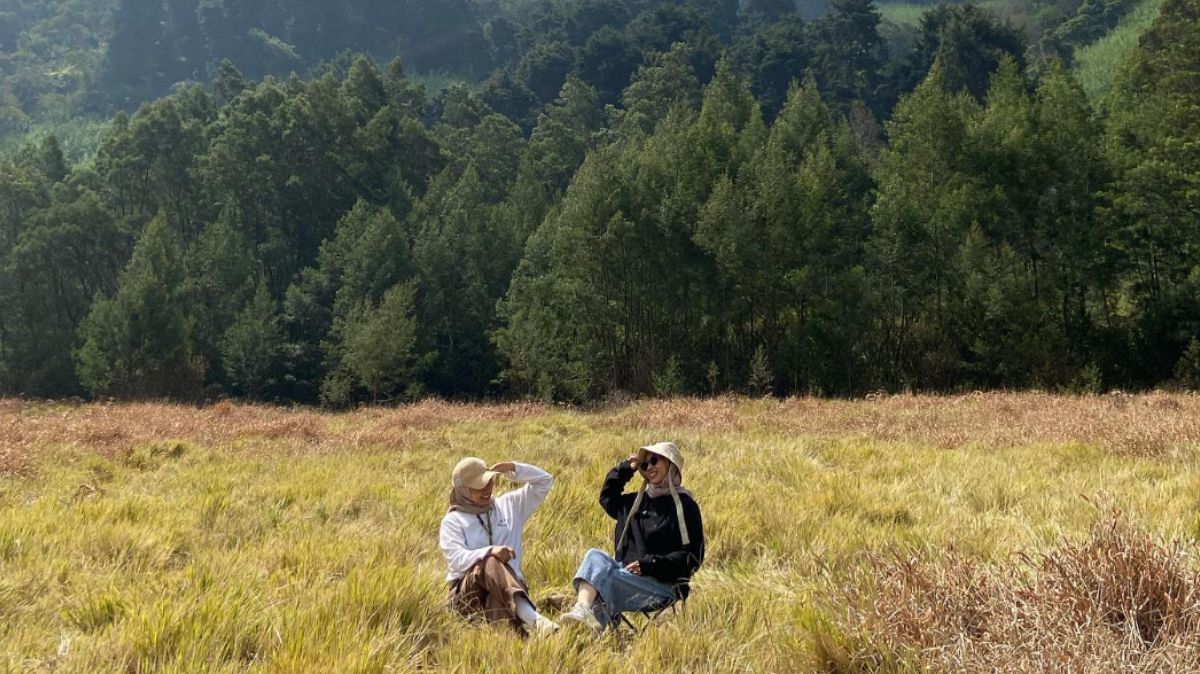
column 654, row 539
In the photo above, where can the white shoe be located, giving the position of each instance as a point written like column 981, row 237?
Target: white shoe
column 581, row 615
column 544, row 627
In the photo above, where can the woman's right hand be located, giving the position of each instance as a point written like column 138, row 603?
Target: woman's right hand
column 633, row 461
column 503, row 553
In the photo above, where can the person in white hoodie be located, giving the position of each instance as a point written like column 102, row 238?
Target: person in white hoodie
column 481, row 541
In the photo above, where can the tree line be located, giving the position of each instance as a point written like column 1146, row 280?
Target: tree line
column 344, row 238
column 69, row 58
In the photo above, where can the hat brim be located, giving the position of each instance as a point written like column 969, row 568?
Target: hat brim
column 653, row 449
column 482, row 479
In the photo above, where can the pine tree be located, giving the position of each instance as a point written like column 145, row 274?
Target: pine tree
column 229, row 82
column 849, row 52
column 369, row 254
column 464, row 262
column 381, row 343
column 664, row 80
column 137, row 53
column 1155, row 119
column 51, row 160
column 138, row 343
column 924, row 208
column 759, row 380
column 250, row 347
column 563, row 135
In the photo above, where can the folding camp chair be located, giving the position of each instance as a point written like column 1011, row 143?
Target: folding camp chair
column 650, row 615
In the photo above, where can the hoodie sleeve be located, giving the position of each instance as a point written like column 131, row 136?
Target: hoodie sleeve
column 612, row 496
column 678, row 566
column 537, row 486
column 453, row 542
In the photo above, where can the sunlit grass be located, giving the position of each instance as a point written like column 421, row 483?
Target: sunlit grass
column 1098, row 63
column 137, row 538
column 902, row 13
column 79, row 137
column 910, row 13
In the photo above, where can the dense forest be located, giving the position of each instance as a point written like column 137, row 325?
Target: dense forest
column 637, row 196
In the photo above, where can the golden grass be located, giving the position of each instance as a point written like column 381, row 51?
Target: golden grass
column 892, row 534
column 1153, row 424
column 1120, row 601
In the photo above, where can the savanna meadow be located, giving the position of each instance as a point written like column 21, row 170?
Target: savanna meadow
column 289, row 287
column 980, row 532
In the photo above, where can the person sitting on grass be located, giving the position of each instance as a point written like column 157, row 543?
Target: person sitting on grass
column 658, row 542
column 481, row 541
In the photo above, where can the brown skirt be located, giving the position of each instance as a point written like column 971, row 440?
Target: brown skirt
column 489, row 591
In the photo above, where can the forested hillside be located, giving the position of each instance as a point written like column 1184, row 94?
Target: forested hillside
column 65, row 59
column 625, row 195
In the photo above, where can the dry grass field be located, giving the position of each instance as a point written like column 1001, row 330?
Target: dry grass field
column 995, row 532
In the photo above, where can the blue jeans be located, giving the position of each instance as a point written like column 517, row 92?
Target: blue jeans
column 619, row 590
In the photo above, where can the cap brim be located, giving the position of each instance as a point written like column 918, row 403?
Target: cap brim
column 483, row 479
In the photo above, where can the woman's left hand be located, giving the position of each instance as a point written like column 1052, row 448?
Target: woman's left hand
column 634, row 567
column 504, row 467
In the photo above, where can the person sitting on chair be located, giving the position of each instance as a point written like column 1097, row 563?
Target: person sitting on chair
column 658, row 542
column 481, row 541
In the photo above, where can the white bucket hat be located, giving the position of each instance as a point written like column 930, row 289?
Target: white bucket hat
column 670, row 452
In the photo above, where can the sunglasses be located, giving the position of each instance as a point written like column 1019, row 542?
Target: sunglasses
column 652, row 460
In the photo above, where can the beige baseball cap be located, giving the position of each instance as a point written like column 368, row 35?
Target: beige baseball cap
column 472, row 472
column 667, row 450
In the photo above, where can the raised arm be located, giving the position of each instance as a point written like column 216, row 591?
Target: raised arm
column 453, row 542
column 537, row 486
column 612, row 492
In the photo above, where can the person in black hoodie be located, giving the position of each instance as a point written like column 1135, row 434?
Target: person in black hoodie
column 658, row 542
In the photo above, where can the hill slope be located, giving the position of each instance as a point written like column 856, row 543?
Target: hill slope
column 1098, row 63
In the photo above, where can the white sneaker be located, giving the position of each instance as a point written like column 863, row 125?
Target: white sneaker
column 581, row 615
column 544, row 627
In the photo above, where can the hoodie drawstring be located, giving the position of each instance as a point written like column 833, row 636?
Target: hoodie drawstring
column 637, row 502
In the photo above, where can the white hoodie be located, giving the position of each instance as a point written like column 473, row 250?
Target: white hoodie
column 463, row 538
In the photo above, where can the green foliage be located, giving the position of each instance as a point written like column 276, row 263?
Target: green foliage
column 665, row 80
column 921, row 214
column 222, row 271
column 1091, row 380
column 552, row 319
column 617, row 208
column 760, row 377
column 1092, row 20
column 774, row 55
column 64, row 255
column 712, row 376
column 986, row 216
column 464, row 259
column 368, row 255
column 1187, row 370
column 378, row 343
column 1155, row 119
column 669, row 381
column 563, row 136
column 139, row 341
column 543, row 69
column 968, row 43
column 250, row 347
column 849, row 52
